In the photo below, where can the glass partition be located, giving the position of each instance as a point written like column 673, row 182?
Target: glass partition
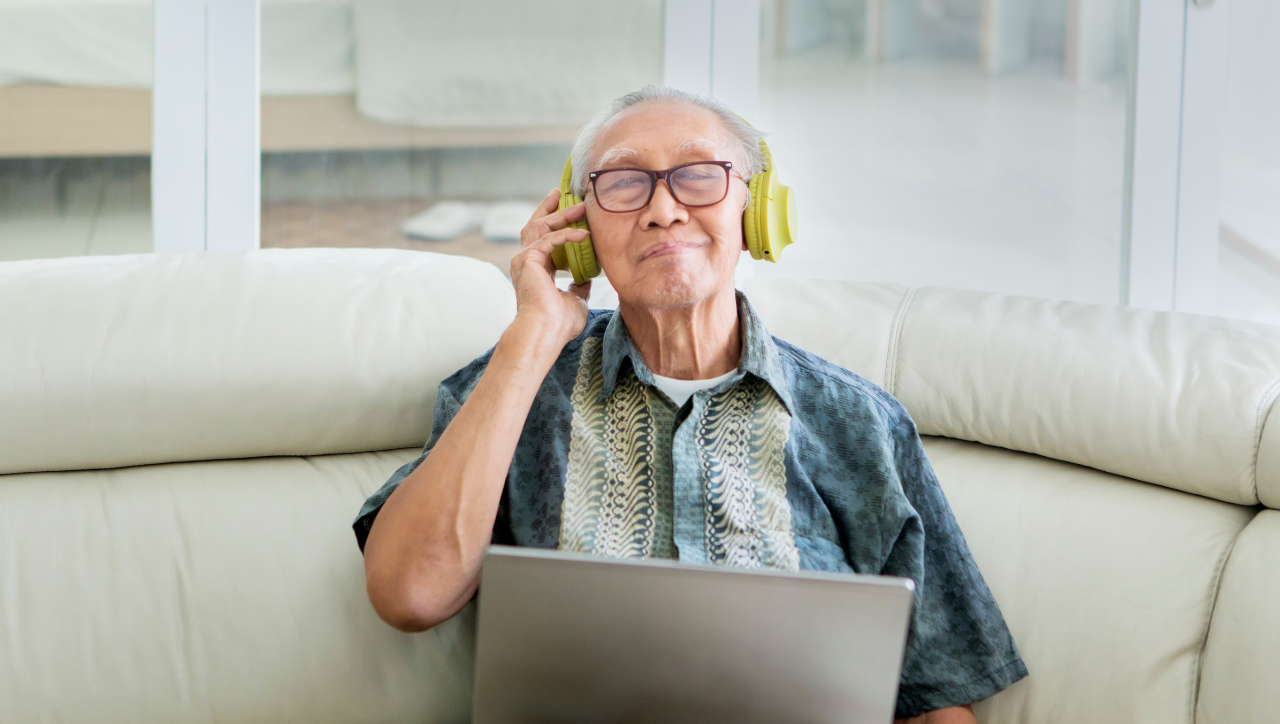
column 75, row 128
column 966, row 143
column 433, row 125
column 1249, row 252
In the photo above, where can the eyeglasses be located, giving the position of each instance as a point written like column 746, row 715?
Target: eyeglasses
column 701, row 183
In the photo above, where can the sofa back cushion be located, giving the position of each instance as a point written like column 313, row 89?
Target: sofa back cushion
column 1178, row 400
column 1268, row 464
column 136, row 360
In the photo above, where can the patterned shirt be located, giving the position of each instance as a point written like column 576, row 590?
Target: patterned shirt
column 791, row 463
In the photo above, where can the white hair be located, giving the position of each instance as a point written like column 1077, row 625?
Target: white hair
column 740, row 132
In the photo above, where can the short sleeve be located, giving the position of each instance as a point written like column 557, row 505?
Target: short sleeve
column 453, row 391
column 959, row 649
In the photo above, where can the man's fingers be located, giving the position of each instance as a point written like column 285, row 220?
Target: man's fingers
column 563, row 217
column 541, row 224
column 548, row 205
column 547, row 242
column 538, row 252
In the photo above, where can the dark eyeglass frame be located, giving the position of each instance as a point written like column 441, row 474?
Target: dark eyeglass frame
column 654, row 177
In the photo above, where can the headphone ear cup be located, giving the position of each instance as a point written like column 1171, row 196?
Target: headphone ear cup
column 751, row 218
column 581, row 254
column 769, row 222
column 578, row 257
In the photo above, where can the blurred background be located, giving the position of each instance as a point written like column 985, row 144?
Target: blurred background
column 983, row 144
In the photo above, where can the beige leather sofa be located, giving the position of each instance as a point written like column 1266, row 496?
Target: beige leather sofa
column 185, row 440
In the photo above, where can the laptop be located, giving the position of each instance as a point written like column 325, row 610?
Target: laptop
column 574, row 639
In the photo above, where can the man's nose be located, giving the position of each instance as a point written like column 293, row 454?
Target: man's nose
column 663, row 209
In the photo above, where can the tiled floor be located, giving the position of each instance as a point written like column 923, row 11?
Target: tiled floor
column 74, row 207
column 933, row 173
column 370, row 223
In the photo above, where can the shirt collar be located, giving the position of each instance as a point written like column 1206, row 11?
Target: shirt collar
column 759, row 354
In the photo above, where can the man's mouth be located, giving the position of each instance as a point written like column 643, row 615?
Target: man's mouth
column 669, row 248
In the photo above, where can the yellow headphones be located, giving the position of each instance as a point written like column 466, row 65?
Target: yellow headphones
column 768, row 223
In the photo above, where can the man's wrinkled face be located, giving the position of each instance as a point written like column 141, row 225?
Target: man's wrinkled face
column 667, row 255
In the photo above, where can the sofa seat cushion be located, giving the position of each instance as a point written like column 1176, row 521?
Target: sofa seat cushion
column 1239, row 683
column 1106, row 583
column 226, row 591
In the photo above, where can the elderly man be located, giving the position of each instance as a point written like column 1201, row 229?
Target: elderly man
column 676, row 426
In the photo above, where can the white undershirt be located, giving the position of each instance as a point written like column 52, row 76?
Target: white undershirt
column 681, row 390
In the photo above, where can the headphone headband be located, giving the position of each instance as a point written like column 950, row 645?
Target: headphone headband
column 768, row 222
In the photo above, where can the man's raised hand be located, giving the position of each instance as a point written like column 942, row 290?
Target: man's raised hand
column 538, row 300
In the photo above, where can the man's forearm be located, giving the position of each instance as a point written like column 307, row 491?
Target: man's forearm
column 423, row 554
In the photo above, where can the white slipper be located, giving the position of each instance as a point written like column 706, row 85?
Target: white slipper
column 444, row 220
column 505, row 221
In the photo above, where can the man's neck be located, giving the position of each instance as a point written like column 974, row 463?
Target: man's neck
column 696, row 342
